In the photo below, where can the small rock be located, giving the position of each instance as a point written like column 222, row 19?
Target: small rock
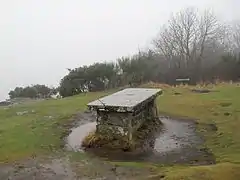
column 114, row 169
column 155, row 177
column 227, row 114
column 204, row 149
column 213, row 127
column 21, row 113
column 20, row 166
column 48, row 117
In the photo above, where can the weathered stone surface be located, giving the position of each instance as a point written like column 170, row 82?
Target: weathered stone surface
column 112, row 131
column 121, row 114
column 113, row 118
column 113, row 124
column 126, row 100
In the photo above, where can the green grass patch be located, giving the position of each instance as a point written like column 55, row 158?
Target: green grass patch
column 40, row 130
column 223, row 171
column 220, row 107
column 207, row 109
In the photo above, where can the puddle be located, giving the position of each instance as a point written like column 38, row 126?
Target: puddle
column 177, row 142
column 74, row 140
column 175, row 135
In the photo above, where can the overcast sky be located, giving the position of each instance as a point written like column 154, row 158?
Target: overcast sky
column 39, row 39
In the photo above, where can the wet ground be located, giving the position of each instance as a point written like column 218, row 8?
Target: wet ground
column 74, row 140
column 177, row 142
column 37, row 169
column 59, row 168
column 64, row 166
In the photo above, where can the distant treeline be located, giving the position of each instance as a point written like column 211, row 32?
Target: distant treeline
column 191, row 45
column 34, row 91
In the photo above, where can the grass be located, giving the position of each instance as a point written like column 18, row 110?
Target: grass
column 220, row 107
column 208, row 108
column 40, row 131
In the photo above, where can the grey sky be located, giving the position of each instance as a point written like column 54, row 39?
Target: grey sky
column 39, row 39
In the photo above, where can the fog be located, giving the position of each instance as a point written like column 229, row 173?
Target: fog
column 39, row 40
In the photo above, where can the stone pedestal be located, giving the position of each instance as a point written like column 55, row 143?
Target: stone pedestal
column 120, row 115
column 123, row 125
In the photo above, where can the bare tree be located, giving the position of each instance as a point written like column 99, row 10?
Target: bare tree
column 212, row 34
column 186, row 37
column 233, row 37
column 236, row 36
column 178, row 38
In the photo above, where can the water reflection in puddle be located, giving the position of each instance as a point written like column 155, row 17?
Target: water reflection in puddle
column 176, row 142
column 75, row 138
column 175, row 134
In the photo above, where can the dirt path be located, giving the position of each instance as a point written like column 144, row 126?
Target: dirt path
column 37, row 169
column 63, row 169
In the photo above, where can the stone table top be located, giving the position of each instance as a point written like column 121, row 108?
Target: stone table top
column 127, row 98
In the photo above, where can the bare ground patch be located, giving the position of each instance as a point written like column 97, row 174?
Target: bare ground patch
column 62, row 168
column 177, row 143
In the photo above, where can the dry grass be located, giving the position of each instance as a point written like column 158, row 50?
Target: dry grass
column 94, row 140
column 155, row 85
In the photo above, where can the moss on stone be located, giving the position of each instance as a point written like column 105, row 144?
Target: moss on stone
column 95, row 140
column 140, row 138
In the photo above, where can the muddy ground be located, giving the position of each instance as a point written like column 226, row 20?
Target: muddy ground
column 177, row 142
column 62, row 168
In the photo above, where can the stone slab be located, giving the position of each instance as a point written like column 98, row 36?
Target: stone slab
column 126, row 99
